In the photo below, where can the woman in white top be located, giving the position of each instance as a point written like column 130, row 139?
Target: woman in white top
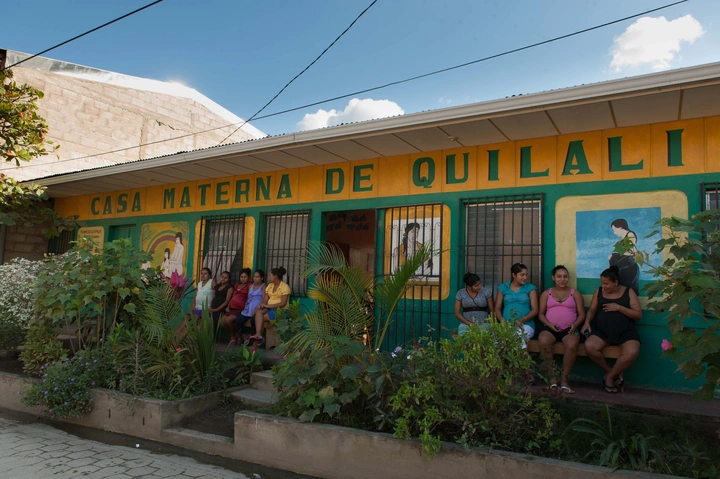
column 205, row 292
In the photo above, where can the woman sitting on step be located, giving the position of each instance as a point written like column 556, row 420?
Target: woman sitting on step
column 615, row 309
column 562, row 311
column 277, row 294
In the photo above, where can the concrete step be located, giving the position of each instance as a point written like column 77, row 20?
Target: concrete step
column 262, row 381
column 255, row 398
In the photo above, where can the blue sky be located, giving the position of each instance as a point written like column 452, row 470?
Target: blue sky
column 240, row 54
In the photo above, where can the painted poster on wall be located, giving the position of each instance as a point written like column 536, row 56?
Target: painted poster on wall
column 407, row 236
column 598, row 231
column 166, row 242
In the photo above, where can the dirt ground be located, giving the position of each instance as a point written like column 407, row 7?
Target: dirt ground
column 219, row 420
column 13, row 365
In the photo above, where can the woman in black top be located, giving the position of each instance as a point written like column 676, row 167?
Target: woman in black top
column 615, row 309
column 223, row 295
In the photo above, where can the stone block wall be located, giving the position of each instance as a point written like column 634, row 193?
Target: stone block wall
column 25, row 242
column 88, row 118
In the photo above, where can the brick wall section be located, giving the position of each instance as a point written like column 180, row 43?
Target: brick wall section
column 25, row 242
column 88, row 117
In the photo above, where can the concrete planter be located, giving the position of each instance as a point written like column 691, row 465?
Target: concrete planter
column 339, row 452
column 319, row 450
column 113, row 411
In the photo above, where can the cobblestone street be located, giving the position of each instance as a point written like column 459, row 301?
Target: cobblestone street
column 34, row 451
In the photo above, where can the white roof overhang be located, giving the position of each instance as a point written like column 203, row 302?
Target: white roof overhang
column 668, row 96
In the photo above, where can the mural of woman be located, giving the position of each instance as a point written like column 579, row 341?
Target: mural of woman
column 165, row 266
column 409, row 246
column 629, row 270
column 176, row 257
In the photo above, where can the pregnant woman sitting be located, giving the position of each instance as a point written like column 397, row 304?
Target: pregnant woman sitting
column 562, row 311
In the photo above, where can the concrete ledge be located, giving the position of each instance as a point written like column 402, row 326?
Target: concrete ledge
column 342, row 453
column 113, row 411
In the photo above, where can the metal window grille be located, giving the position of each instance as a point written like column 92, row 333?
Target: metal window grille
column 711, row 194
column 500, row 231
column 284, row 239
column 418, row 313
column 61, row 244
column 222, row 238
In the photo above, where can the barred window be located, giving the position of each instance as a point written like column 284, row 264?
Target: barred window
column 283, row 242
column 498, row 231
column 711, row 194
column 222, row 240
column 61, row 244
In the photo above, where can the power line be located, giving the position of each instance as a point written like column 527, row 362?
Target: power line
column 83, row 34
column 491, row 57
column 299, row 74
column 507, row 52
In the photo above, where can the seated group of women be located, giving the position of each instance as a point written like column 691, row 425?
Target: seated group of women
column 561, row 313
column 244, row 305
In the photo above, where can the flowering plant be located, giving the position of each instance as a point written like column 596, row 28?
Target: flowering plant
column 64, row 388
column 17, row 303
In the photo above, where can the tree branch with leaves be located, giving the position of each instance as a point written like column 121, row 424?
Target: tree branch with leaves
column 22, row 138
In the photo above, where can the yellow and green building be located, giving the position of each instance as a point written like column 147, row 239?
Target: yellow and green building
column 532, row 178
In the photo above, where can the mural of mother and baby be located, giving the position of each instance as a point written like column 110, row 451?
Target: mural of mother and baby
column 629, row 273
column 599, row 231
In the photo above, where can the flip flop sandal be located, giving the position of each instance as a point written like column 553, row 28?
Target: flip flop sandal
column 620, row 381
column 566, row 390
column 610, row 390
column 552, row 387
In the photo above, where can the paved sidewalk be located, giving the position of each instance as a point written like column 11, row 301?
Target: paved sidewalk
column 34, row 451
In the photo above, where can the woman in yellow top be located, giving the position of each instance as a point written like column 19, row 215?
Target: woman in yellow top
column 276, row 296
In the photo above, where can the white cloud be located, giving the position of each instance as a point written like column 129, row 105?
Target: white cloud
column 653, row 41
column 356, row 110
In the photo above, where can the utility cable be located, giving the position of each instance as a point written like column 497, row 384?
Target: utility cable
column 299, row 74
column 83, row 34
column 381, row 86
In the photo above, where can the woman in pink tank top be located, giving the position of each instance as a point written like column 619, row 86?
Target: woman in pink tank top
column 562, row 311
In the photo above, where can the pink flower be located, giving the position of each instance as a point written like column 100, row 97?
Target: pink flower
column 177, row 350
column 666, row 345
column 177, row 281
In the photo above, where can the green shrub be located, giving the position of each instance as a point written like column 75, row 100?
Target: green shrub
column 341, row 383
column 17, row 303
column 155, row 358
column 473, row 391
column 64, row 389
column 90, row 291
column 42, row 348
column 612, row 447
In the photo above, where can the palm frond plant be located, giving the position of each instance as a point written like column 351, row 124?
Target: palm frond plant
column 334, row 370
column 349, row 302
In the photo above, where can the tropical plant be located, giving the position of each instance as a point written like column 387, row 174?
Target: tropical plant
column 612, row 447
column 330, row 373
column 687, row 293
column 167, row 354
column 341, row 383
column 347, row 299
column 474, row 391
column 89, row 292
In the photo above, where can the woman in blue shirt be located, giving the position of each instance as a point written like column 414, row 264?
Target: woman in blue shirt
column 517, row 301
